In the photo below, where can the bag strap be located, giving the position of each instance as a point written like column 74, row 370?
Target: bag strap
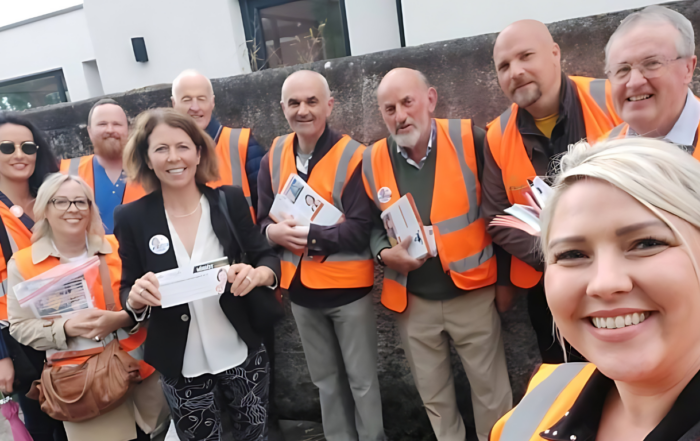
column 106, row 284
column 231, row 227
column 47, row 382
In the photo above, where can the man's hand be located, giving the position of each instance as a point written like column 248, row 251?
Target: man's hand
column 398, row 259
column 286, row 235
column 7, row 375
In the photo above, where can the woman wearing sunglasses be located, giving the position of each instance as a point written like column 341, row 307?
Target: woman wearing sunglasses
column 207, row 343
column 69, row 230
column 26, row 158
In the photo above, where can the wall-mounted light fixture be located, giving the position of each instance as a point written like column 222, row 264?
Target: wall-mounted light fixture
column 139, row 46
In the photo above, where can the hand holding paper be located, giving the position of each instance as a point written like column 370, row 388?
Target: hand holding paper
column 399, row 259
column 145, row 292
column 289, row 234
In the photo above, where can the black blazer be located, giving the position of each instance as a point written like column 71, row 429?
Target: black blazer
column 137, row 222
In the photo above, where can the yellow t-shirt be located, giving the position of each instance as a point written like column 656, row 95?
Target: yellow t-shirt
column 546, row 124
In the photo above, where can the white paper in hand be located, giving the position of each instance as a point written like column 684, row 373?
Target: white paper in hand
column 298, row 200
column 401, row 221
column 183, row 285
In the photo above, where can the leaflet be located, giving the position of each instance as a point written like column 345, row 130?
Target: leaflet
column 183, row 285
column 298, row 200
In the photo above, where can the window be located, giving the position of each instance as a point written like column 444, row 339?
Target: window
column 285, row 33
column 33, row 91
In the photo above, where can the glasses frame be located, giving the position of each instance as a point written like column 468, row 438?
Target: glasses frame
column 73, row 202
column 21, row 146
column 643, row 71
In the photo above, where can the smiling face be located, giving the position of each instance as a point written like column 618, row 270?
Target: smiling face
column 173, row 156
column 622, row 289
column 71, row 222
column 108, row 130
column 307, row 104
column 651, row 106
column 17, row 166
column 193, row 95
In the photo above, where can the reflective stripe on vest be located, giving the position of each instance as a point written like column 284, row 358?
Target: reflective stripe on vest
column 232, row 152
column 74, row 164
column 83, row 168
column 19, row 237
column 328, row 178
column 110, row 282
column 464, row 248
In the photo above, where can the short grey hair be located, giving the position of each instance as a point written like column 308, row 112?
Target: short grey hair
column 189, row 73
column 685, row 44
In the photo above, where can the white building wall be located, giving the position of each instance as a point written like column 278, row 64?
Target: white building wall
column 179, row 34
column 373, row 25
column 438, row 20
column 59, row 42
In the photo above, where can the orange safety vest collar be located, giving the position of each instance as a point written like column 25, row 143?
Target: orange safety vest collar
column 20, row 237
column 83, row 167
column 133, row 344
column 464, row 248
column 508, row 150
column 328, row 178
column 232, row 153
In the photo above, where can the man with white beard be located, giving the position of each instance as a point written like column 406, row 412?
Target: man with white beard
column 108, row 128
column 450, row 296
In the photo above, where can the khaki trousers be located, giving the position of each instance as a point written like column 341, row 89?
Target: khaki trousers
column 472, row 323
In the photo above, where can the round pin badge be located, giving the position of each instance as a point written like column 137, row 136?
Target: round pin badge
column 384, row 195
column 17, row 210
column 159, row 244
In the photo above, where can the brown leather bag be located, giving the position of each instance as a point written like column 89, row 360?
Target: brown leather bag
column 92, row 388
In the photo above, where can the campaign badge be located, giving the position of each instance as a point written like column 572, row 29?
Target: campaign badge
column 17, row 210
column 384, row 195
column 159, row 244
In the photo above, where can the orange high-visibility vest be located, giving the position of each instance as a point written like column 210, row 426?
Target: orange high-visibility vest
column 328, row 178
column 83, row 167
column 20, row 237
column 549, row 397
column 232, row 152
column 134, row 343
column 464, row 248
column 509, row 152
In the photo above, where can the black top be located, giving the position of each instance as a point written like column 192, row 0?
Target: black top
column 137, row 222
column 682, row 423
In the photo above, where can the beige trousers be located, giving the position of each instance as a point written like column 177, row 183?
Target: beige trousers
column 472, row 323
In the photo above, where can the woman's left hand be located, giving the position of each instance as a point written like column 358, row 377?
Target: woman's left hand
column 104, row 323
column 244, row 278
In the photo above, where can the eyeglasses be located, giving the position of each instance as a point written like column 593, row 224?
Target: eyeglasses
column 28, row 147
column 649, row 68
column 63, row 204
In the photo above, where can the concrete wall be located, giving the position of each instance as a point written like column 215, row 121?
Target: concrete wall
column 60, row 42
column 463, row 74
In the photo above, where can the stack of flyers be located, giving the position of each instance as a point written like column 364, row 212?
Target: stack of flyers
column 64, row 300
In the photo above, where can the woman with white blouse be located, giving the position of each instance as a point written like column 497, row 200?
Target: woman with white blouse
column 210, row 343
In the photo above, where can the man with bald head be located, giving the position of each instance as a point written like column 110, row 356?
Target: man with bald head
column 550, row 111
column 238, row 152
column 449, row 296
column 108, row 129
column 327, row 270
column 650, row 61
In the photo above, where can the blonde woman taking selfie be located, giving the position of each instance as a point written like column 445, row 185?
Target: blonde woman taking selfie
column 621, row 241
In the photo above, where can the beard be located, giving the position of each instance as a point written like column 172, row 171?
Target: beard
column 110, row 148
column 408, row 140
column 526, row 96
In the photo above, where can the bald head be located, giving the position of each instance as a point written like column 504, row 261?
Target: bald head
column 307, row 104
column 406, row 102
column 306, row 79
column 528, row 63
column 193, row 94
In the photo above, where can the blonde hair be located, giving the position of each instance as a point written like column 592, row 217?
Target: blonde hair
column 659, row 175
column 135, row 157
column 43, row 198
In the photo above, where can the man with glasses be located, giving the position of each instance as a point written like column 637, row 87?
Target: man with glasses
column 650, row 60
column 108, row 128
column 550, row 111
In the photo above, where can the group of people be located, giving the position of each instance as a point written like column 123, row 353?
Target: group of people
column 619, row 240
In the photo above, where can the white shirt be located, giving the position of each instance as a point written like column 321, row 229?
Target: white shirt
column 433, row 135
column 683, row 132
column 213, row 345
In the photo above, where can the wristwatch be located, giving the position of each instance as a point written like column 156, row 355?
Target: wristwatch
column 380, row 261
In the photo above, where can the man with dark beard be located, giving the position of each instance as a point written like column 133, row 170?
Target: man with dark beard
column 550, row 111
column 108, row 128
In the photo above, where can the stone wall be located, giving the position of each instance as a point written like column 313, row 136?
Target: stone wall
column 463, row 73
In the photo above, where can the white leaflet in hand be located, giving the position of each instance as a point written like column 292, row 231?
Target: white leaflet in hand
column 402, row 220
column 299, row 200
column 430, row 239
column 184, row 285
column 525, row 214
column 541, row 191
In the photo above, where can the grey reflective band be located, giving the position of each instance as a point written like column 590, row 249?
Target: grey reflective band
column 235, row 158
column 395, row 276
column 287, row 256
column 617, row 131
column 4, row 288
column 455, row 224
column 504, row 118
column 137, row 353
column 249, row 200
column 528, row 415
column 473, row 261
column 13, row 244
column 342, row 172
column 597, row 91
column 369, row 173
column 455, row 129
column 73, row 166
column 276, row 163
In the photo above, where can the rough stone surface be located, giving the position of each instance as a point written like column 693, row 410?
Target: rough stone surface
column 463, row 73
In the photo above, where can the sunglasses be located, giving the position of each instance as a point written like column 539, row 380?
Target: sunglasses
column 28, row 147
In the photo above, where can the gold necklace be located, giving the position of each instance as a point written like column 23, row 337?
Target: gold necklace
column 187, row 215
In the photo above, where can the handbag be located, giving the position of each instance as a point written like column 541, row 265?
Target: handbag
column 96, row 386
column 264, row 305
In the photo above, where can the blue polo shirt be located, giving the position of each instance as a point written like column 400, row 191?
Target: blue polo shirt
column 108, row 194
